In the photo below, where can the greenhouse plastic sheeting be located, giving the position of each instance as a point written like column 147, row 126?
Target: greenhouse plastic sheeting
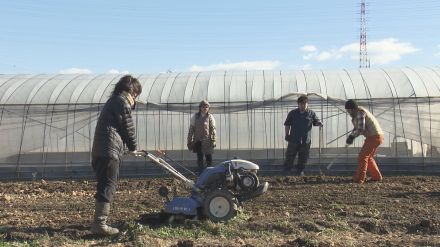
column 48, row 114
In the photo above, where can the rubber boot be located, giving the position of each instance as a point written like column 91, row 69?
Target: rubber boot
column 99, row 225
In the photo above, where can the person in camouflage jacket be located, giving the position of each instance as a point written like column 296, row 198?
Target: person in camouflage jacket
column 202, row 135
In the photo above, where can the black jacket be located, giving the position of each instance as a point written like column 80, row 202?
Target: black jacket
column 114, row 129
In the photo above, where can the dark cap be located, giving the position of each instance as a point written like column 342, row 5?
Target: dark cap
column 303, row 99
column 351, row 104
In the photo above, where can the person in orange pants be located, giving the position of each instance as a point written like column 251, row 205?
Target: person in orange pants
column 367, row 125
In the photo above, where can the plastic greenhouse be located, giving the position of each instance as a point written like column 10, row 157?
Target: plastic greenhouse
column 47, row 120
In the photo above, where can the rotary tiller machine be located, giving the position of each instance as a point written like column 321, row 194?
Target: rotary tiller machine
column 217, row 193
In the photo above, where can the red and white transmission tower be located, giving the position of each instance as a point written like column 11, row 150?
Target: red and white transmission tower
column 364, row 62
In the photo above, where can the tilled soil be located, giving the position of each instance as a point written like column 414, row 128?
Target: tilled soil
column 296, row 211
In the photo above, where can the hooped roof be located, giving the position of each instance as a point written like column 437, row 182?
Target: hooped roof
column 223, row 86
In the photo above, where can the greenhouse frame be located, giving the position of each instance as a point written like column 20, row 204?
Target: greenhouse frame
column 47, row 120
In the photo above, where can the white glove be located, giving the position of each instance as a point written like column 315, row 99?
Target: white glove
column 138, row 153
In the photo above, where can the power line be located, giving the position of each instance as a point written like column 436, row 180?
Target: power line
column 363, row 56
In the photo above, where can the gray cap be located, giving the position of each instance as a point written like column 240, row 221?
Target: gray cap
column 203, row 103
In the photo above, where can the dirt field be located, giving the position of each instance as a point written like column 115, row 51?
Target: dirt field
column 296, row 211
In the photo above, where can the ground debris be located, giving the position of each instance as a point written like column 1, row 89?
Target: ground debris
column 324, row 211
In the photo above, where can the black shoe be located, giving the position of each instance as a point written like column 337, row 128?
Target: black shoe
column 300, row 172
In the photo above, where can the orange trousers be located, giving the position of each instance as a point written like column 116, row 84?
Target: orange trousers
column 366, row 160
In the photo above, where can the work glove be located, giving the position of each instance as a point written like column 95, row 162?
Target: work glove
column 213, row 143
column 320, row 124
column 190, row 146
column 350, row 139
column 287, row 138
column 134, row 152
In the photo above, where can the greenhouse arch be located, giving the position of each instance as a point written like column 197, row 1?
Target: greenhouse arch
column 47, row 120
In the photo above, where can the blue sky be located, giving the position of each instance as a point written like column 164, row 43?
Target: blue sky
column 56, row 36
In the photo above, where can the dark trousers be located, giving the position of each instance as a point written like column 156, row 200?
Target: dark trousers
column 200, row 163
column 293, row 149
column 107, row 174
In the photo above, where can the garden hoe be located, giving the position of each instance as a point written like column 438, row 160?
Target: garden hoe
column 324, row 171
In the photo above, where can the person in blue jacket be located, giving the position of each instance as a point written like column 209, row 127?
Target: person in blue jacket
column 298, row 128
